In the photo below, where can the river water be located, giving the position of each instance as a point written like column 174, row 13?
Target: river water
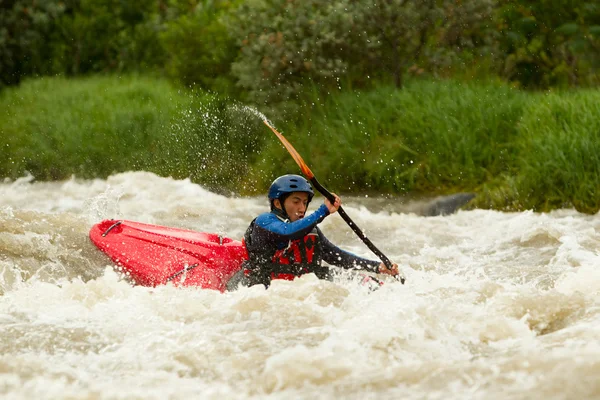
column 496, row 305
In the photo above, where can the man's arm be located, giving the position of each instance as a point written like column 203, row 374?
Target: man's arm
column 291, row 230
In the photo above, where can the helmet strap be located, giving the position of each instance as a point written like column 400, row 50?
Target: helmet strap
column 282, row 211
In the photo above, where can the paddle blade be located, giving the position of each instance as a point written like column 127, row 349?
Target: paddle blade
column 305, row 170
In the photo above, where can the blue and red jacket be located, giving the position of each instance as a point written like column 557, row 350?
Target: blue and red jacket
column 280, row 249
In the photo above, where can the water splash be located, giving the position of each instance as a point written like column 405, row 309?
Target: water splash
column 251, row 111
column 104, row 205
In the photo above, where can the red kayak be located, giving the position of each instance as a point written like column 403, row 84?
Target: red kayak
column 156, row 255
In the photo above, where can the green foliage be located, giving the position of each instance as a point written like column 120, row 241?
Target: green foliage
column 93, row 127
column 24, row 27
column 559, row 153
column 424, row 36
column 284, row 44
column 270, row 51
column 288, row 45
column 106, row 35
column 550, row 42
column 199, row 48
column 518, row 150
column 186, row 39
column 55, row 128
column 465, row 45
column 330, row 72
column 430, row 137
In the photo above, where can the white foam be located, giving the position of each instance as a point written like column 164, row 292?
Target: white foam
column 496, row 305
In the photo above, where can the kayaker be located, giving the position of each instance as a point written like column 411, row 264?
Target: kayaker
column 285, row 243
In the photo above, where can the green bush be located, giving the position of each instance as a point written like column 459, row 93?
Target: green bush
column 199, row 47
column 25, row 27
column 288, row 45
column 284, row 44
column 107, row 36
column 550, row 43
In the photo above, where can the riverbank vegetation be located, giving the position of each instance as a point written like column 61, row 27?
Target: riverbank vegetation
column 93, row 127
column 517, row 150
column 397, row 97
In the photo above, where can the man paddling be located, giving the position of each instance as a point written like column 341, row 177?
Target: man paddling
column 285, row 243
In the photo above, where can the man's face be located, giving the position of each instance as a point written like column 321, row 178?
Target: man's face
column 295, row 205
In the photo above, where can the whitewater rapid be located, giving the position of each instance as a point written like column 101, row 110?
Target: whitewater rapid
column 497, row 305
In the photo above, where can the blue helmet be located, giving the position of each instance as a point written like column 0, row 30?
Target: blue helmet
column 287, row 184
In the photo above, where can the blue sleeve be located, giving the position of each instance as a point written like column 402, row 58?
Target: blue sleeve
column 340, row 258
column 292, row 230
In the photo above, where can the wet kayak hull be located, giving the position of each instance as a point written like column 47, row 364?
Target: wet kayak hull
column 156, row 255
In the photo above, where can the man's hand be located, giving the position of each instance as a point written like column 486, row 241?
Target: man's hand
column 384, row 270
column 333, row 207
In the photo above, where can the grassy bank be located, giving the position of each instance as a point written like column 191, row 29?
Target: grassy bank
column 88, row 127
column 54, row 128
column 429, row 137
column 517, row 150
column 559, row 147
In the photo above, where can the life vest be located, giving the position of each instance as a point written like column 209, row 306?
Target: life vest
column 298, row 257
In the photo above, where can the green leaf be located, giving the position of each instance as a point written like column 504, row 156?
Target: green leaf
column 527, row 24
column 595, row 30
column 568, row 29
column 578, row 45
column 515, row 37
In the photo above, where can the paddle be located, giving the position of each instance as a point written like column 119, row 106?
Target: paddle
column 311, row 177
